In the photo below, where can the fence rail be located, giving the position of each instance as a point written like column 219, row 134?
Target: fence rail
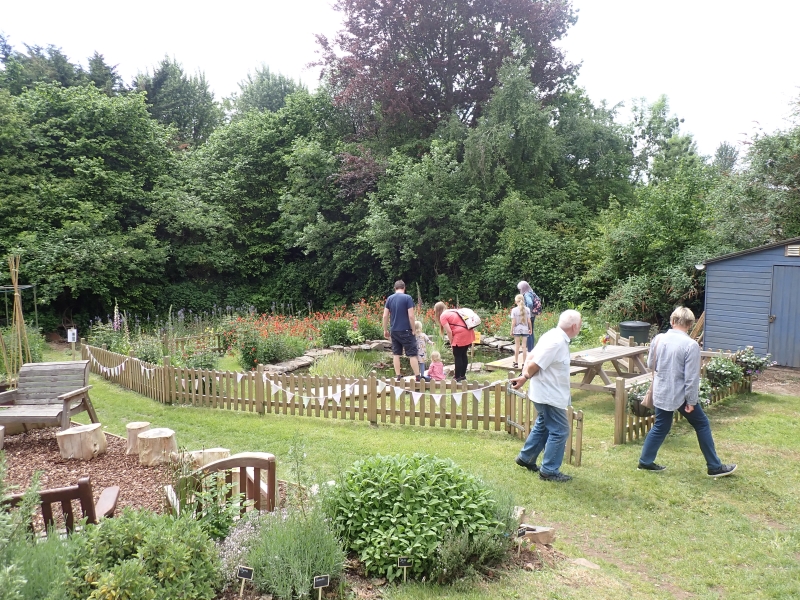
column 629, row 427
column 486, row 407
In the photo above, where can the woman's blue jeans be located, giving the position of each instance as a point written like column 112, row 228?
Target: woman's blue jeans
column 663, row 423
column 549, row 433
column 532, row 336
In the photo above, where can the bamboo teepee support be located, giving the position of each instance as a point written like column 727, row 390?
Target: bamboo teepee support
column 20, row 351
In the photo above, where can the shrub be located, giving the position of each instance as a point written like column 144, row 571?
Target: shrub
column 370, row 329
column 35, row 344
column 704, row 396
column 172, row 557
column 636, row 394
column 255, row 349
column 390, row 506
column 334, row 332
column 722, row 372
column 463, row 555
column 148, row 349
column 354, row 337
column 287, row 552
column 751, row 364
column 340, row 364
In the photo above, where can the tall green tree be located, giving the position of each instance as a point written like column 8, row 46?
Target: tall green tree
column 264, row 90
column 181, row 100
column 78, row 174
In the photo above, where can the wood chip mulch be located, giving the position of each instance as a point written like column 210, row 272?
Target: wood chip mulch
column 37, row 450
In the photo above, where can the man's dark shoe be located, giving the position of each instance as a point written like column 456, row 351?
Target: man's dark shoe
column 723, row 471
column 559, row 477
column 399, row 378
column 530, row 467
column 651, row 467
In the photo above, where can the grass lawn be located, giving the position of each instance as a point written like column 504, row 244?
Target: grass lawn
column 676, row 534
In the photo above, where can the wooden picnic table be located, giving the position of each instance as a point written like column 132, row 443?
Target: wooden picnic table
column 590, row 363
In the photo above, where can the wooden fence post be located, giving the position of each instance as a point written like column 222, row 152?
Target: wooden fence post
column 165, row 397
column 84, row 350
column 260, row 389
column 372, row 400
column 619, row 412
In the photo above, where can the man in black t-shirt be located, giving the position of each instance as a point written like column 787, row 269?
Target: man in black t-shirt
column 398, row 326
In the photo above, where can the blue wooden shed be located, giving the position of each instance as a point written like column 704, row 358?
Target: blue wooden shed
column 753, row 299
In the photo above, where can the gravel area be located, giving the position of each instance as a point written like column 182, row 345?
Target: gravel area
column 37, row 450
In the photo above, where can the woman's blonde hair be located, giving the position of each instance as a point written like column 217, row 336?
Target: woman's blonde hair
column 438, row 309
column 417, row 327
column 436, row 356
column 682, row 316
column 519, row 300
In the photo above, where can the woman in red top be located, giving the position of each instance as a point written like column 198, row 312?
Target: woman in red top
column 461, row 338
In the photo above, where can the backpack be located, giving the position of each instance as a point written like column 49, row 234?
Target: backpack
column 535, row 303
column 471, row 320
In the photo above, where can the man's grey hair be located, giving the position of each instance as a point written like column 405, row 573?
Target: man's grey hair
column 568, row 318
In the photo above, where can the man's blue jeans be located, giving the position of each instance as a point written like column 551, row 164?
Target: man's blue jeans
column 532, row 336
column 549, row 433
column 663, row 423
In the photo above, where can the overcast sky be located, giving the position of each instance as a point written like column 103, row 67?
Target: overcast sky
column 728, row 67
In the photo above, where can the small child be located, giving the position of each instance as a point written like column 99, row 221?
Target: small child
column 422, row 340
column 436, row 372
column 520, row 329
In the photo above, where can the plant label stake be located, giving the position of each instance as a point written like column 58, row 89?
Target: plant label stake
column 520, row 533
column 404, row 563
column 321, row 581
column 72, row 337
column 245, row 574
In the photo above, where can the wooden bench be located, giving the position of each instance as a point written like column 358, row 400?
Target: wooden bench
column 630, row 382
column 48, row 394
column 249, row 485
column 106, row 505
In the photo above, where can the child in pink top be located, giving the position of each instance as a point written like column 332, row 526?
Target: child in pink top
column 436, row 369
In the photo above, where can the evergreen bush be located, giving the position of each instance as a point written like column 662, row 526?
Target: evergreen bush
column 334, row 332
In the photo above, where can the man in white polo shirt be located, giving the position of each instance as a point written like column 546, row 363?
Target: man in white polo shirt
column 547, row 368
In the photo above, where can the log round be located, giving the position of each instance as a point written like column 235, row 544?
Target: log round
column 134, row 429
column 200, row 458
column 82, row 443
column 157, row 446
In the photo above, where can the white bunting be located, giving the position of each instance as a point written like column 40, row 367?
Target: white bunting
column 337, row 397
column 381, row 386
column 289, row 396
column 239, row 377
column 436, row 398
column 477, row 394
column 457, row 398
column 416, row 396
column 306, row 400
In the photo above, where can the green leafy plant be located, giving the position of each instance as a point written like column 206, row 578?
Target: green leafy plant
column 722, row 372
column 462, row 555
column 370, row 329
column 636, row 394
column 704, row 396
column 354, row 337
column 148, row 348
column 287, row 552
column 752, row 365
column 390, row 506
column 255, row 349
column 334, row 332
column 139, row 551
column 204, row 498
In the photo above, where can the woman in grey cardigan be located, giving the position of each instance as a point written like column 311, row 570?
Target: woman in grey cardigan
column 676, row 385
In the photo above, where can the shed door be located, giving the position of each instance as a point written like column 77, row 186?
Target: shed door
column 784, row 330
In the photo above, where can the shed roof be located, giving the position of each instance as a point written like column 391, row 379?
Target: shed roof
column 752, row 250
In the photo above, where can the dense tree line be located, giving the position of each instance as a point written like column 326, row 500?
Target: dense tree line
column 460, row 167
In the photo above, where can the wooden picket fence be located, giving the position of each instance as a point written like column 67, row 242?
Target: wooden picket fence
column 629, row 427
column 436, row 404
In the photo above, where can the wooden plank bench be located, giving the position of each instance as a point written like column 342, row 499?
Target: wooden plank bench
column 48, row 394
column 250, row 465
column 106, row 504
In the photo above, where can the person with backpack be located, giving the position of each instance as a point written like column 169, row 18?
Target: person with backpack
column 460, row 333
column 534, row 303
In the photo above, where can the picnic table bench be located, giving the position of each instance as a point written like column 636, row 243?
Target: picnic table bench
column 592, row 361
column 48, row 394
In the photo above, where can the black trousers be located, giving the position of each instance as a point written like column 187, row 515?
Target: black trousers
column 461, row 361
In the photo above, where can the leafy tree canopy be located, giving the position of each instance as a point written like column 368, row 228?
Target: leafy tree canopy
column 420, row 61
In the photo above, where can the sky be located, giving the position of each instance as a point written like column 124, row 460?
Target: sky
column 729, row 68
